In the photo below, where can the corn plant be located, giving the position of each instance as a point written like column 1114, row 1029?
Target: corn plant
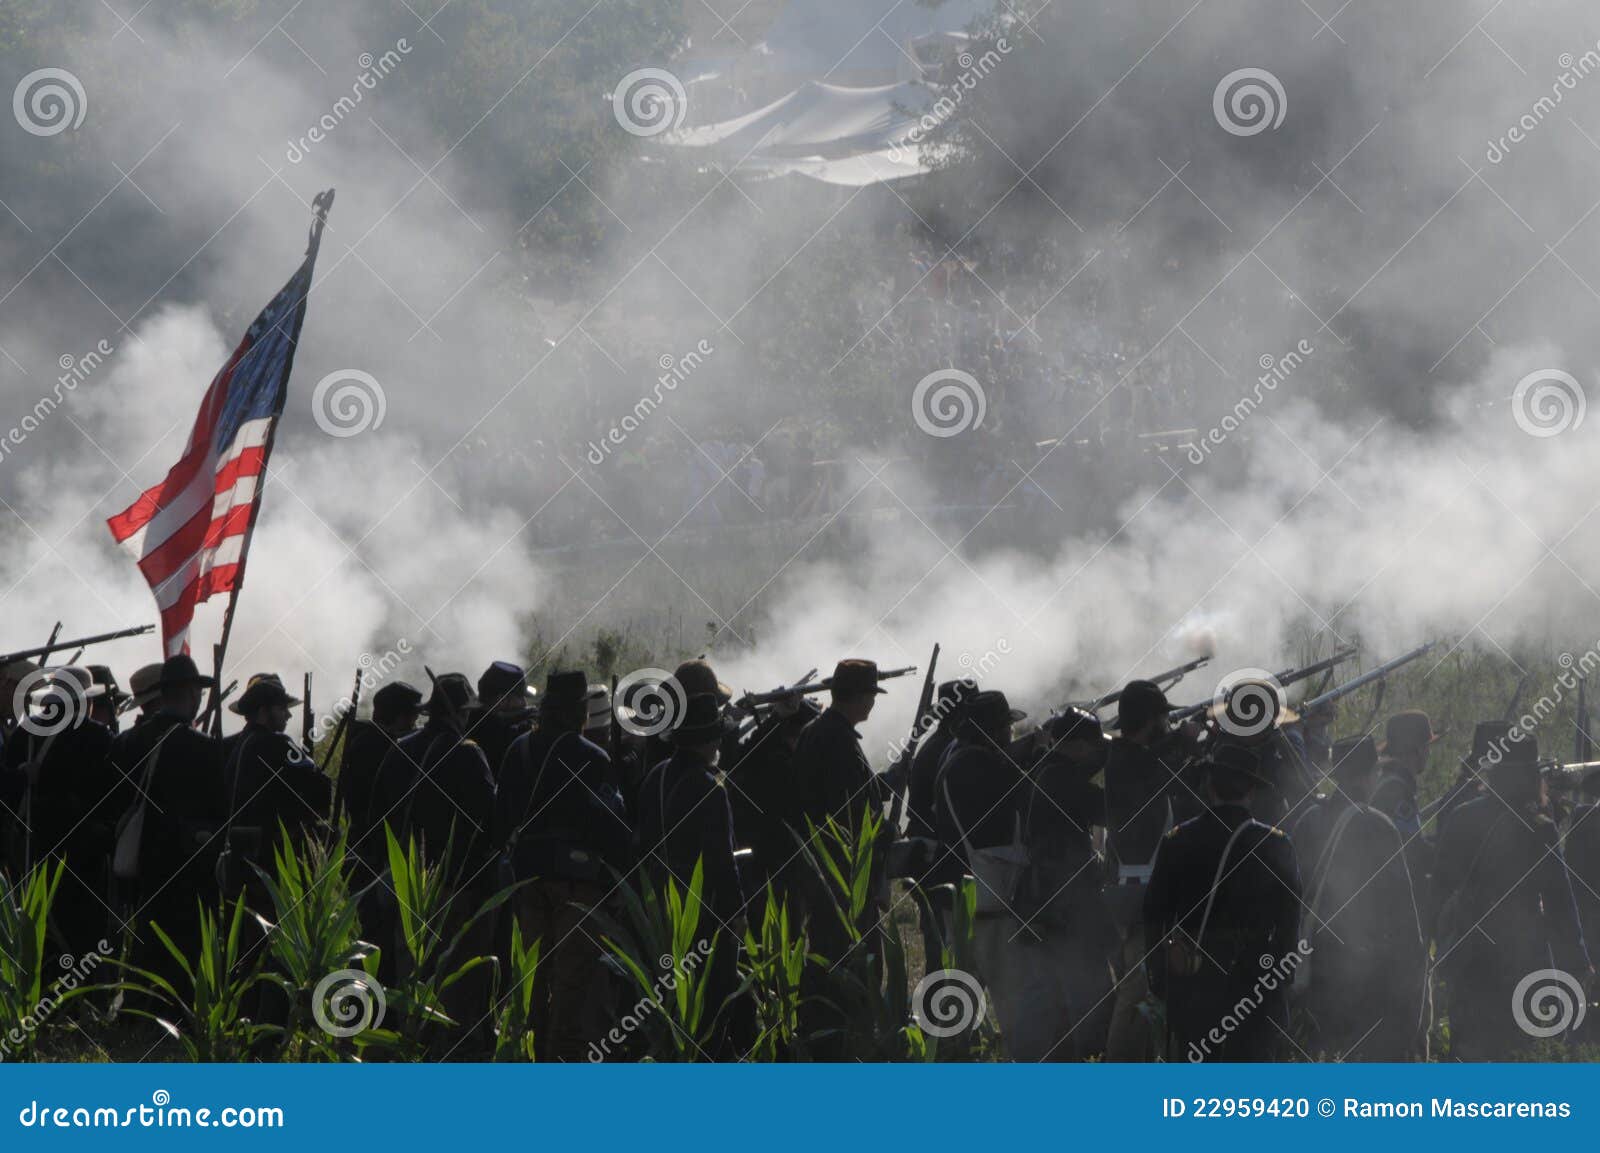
column 428, row 903
column 313, row 932
column 211, row 1025
column 865, row 988
column 27, row 999
column 663, row 932
column 513, row 1033
column 771, row 969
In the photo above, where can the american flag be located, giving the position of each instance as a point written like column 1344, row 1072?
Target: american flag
column 190, row 532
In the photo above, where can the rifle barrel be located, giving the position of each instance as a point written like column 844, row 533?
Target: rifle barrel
column 74, row 642
column 1364, row 679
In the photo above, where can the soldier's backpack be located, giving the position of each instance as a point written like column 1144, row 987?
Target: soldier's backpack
column 998, row 869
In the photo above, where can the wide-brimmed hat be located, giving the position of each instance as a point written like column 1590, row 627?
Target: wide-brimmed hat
column 951, row 694
column 452, row 690
column 397, row 697
column 504, row 683
column 854, row 677
column 1497, row 743
column 145, row 684
column 72, row 679
column 107, row 680
column 17, row 669
column 1354, row 757
column 701, row 723
column 1234, row 759
column 697, row 676
column 181, row 672
column 569, row 687
column 1074, row 724
column 1140, row 699
column 989, row 711
column 261, row 690
column 1409, row 729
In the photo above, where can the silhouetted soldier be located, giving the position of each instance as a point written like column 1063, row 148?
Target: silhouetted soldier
column 1366, row 982
column 1502, row 903
column 67, row 809
column 272, row 784
column 435, row 786
column 1407, row 737
column 506, row 710
column 395, row 709
column 760, row 772
column 1144, row 786
column 833, row 774
column 173, row 775
column 1224, row 894
column 921, row 797
column 1067, row 951
column 560, row 823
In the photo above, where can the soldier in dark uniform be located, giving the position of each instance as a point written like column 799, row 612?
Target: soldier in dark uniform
column 834, row 779
column 760, row 773
column 1144, row 789
column 1502, row 903
column 105, row 707
column 833, row 774
column 395, row 709
column 272, row 783
column 1407, row 737
column 434, row 786
column 174, row 775
column 1367, row 980
column 1224, row 893
column 1065, row 954
column 506, row 710
column 67, row 809
column 949, row 699
column 560, row 823
column 686, row 818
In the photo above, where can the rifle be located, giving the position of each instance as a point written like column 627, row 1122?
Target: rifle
column 344, row 721
column 1284, row 679
column 43, row 651
column 1364, row 679
column 50, row 645
column 1165, row 679
column 808, row 686
column 752, row 701
column 307, row 717
column 898, row 776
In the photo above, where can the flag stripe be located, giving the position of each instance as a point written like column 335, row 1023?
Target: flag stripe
column 188, row 534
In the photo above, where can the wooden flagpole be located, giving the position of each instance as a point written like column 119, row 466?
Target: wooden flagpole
column 319, row 206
